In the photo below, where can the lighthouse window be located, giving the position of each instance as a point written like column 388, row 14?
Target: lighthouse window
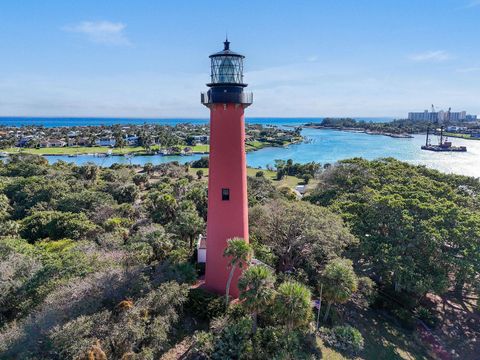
column 225, row 194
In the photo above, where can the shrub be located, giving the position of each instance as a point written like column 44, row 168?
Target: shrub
column 405, row 318
column 204, row 305
column 55, row 225
column 367, row 289
column 140, row 331
column 274, row 342
column 117, row 223
column 306, row 178
column 126, row 193
column 345, row 338
column 203, row 344
column 182, row 272
column 426, row 316
column 234, row 341
column 200, row 163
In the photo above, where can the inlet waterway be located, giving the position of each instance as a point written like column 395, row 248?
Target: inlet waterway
column 324, row 146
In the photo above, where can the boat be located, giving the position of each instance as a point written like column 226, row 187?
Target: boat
column 443, row 145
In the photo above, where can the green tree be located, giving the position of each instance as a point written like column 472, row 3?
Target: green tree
column 127, row 193
column 5, row 208
column 260, row 190
column 162, row 207
column 306, row 178
column 148, row 168
column 119, row 139
column 238, row 251
column 89, row 172
column 55, row 225
column 188, row 224
column 257, row 291
column 339, row 283
column 293, row 304
column 300, row 234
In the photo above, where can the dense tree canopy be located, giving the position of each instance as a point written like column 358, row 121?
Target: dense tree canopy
column 300, row 235
column 418, row 229
column 100, row 261
column 92, row 262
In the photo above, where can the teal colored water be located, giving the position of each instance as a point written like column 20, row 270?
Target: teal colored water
column 324, row 146
column 329, row 146
column 69, row 121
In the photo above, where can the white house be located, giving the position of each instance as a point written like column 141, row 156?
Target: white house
column 202, row 249
column 301, row 189
column 105, row 142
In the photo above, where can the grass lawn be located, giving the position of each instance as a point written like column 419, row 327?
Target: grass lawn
column 200, row 148
column 254, row 145
column 76, row 150
column 82, row 150
column 288, row 181
column 383, row 340
column 462, row 136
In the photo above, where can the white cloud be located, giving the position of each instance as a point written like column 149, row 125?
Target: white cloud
column 102, row 32
column 431, row 56
column 312, row 58
column 293, row 90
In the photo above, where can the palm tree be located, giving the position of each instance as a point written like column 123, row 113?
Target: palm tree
column 256, row 290
column 339, row 283
column 293, row 304
column 239, row 251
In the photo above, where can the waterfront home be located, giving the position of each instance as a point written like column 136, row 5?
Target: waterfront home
column 201, row 139
column 131, row 140
column 105, row 142
column 456, row 128
column 52, row 143
column 78, row 141
column 24, row 140
column 82, row 141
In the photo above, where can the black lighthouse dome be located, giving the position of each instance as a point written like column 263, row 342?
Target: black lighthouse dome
column 226, row 67
column 226, row 79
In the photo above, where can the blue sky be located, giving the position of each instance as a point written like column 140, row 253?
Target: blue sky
column 304, row 58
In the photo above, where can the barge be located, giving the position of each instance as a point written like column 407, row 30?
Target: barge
column 443, row 145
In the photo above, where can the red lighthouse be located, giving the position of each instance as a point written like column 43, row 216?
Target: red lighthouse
column 227, row 176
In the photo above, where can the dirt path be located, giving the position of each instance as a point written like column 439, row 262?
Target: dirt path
column 179, row 351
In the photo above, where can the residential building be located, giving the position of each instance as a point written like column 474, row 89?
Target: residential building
column 441, row 116
column 105, row 142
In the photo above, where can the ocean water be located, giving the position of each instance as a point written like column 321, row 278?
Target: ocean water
column 324, row 146
column 72, row 121
column 329, row 146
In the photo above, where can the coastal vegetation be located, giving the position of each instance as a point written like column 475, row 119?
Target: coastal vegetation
column 144, row 139
column 396, row 128
column 99, row 263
